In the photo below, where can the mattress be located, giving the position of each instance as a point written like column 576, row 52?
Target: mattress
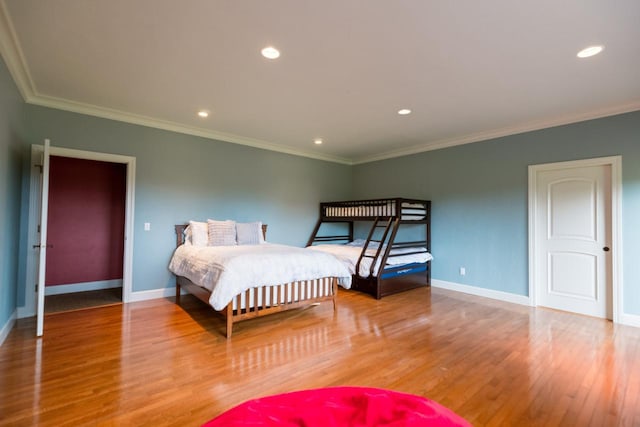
column 227, row 271
column 350, row 253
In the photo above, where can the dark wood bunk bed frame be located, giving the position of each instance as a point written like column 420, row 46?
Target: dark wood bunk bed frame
column 390, row 215
column 327, row 291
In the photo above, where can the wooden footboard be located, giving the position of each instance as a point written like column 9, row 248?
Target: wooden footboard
column 265, row 300
column 261, row 301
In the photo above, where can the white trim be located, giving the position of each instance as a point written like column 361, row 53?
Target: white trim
column 531, row 229
column 112, row 114
column 8, row 326
column 122, row 116
column 25, row 312
column 481, row 292
column 29, row 311
column 13, row 56
column 137, row 119
column 127, row 268
column 630, row 320
column 82, row 287
column 499, row 133
column 90, row 155
column 615, row 162
column 31, row 279
column 43, row 221
column 616, row 236
column 127, row 265
column 154, row 294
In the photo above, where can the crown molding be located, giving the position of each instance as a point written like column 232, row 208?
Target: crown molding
column 498, row 133
column 13, row 56
column 121, row 116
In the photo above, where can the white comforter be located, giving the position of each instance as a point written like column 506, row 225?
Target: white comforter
column 349, row 254
column 229, row 270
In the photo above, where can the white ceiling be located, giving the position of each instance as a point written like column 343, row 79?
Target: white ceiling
column 469, row 70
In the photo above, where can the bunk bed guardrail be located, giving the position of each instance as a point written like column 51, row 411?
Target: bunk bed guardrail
column 405, row 209
column 388, row 214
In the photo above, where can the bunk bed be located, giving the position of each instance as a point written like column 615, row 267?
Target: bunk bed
column 390, row 259
column 247, row 281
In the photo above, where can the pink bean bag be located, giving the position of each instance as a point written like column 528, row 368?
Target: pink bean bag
column 338, row 407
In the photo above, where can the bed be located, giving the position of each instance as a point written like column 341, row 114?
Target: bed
column 390, row 259
column 246, row 281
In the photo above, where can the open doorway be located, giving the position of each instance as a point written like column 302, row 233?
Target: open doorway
column 85, row 234
column 38, row 202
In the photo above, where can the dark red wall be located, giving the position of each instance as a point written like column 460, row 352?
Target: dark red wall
column 86, row 221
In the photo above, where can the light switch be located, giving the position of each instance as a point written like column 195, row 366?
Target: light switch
column 147, row 226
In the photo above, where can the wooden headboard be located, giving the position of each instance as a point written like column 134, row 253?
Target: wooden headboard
column 181, row 227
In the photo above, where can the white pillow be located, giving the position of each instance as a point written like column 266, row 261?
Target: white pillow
column 249, row 233
column 222, row 233
column 198, row 233
column 186, row 235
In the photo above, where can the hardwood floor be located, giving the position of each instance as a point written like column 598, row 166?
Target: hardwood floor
column 155, row 363
column 82, row 300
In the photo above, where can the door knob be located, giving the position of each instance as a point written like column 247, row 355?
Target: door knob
column 606, row 249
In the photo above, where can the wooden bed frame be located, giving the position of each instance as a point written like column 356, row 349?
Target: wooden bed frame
column 388, row 214
column 327, row 290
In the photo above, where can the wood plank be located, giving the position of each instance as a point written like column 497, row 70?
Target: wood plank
column 157, row 363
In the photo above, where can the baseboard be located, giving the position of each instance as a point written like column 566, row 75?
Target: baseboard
column 625, row 319
column 8, row 326
column 153, row 294
column 630, row 320
column 25, row 312
column 135, row 296
column 82, row 287
column 481, row 292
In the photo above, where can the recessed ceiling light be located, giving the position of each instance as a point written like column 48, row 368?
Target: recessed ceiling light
column 404, row 111
column 270, row 52
column 317, row 141
column 203, row 113
column 590, row 51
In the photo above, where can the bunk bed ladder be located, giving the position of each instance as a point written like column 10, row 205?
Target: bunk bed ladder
column 314, row 235
column 383, row 262
column 333, row 238
column 378, row 223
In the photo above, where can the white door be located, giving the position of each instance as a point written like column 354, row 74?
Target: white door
column 42, row 261
column 573, row 240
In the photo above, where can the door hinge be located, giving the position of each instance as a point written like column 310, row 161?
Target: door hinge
column 36, row 287
column 39, row 167
column 42, row 246
column 38, row 228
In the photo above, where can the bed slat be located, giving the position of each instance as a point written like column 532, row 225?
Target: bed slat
column 282, row 297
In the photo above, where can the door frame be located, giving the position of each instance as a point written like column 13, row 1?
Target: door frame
column 615, row 163
column 29, row 308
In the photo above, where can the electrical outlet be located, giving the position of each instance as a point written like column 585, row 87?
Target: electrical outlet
column 147, row 226
column 463, row 271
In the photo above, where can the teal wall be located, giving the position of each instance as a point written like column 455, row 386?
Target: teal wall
column 479, row 191
column 11, row 130
column 181, row 177
column 479, row 196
